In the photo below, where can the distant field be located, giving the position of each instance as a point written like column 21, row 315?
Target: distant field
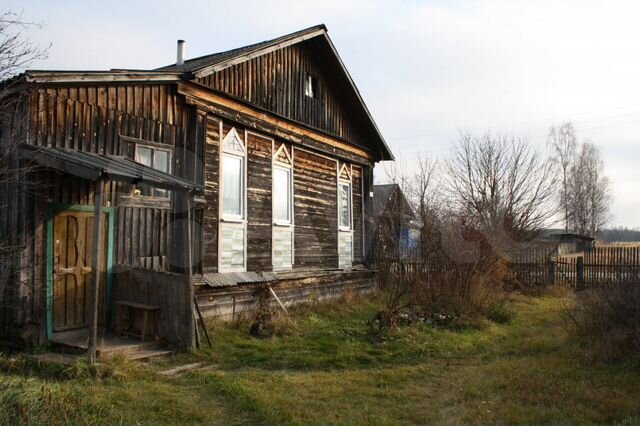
column 328, row 369
column 622, row 244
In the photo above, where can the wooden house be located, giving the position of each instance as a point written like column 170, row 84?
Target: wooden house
column 396, row 226
column 194, row 181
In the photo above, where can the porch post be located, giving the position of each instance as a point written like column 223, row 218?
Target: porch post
column 95, row 269
column 190, row 291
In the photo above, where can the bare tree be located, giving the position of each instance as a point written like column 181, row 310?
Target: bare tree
column 562, row 144
column 589, row 194
column 502, row 186
column 427, row 201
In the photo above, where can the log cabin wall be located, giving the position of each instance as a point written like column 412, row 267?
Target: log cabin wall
column 259, row 202
column 315, row 204
column 276, row 81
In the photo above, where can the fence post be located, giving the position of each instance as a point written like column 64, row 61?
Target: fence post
column 551, row 277
column 580, row 271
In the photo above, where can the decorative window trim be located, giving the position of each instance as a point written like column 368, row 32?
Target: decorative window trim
column 242, row 156
column 345, row 177
column 232, row 225
column 228, row 221
column 279, row 226
column 288, row 167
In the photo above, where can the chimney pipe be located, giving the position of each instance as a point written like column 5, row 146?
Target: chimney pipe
column 180, row 60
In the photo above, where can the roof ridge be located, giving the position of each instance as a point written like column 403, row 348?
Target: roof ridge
column 246, row 47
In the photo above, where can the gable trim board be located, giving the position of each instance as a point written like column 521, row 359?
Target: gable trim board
column 209, row 64
column 203, row 72
column 235, row 109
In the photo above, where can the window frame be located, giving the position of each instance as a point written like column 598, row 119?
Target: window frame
column 280, row 225
column 311, row 86
column 345, row 177
column 153, row 147
column 227, row 222
column 226, row 217
column 343, row 182
column 289, row 170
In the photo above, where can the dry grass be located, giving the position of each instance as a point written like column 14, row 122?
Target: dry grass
column 324, row 368
column 608, row 318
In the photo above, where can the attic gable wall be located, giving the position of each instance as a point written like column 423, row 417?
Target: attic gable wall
column 275, row 81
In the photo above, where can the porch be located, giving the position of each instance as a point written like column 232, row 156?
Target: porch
column 80, row 243
column 108, row 344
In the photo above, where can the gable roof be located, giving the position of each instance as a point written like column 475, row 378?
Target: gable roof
column 194, row 68
column 382, row 195
column 318, row 35
column 207, row 64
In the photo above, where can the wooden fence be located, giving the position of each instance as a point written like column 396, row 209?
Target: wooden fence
column 539, row 265
column 600, row 266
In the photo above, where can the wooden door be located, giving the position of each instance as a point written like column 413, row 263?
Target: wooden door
column 72, row 259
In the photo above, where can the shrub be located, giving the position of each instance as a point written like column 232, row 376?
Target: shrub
column 498, row 312
column 608, row 318
column 262, row 323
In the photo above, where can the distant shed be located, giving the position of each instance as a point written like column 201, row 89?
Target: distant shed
column 569, row 243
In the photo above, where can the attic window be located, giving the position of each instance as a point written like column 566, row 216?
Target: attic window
column 311, row 86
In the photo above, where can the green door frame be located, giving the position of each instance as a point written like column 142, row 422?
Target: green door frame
column 52, row 210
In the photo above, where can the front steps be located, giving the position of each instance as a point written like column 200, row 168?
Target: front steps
column 108, row 345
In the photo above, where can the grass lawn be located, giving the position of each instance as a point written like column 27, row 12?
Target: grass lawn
column 327, row 369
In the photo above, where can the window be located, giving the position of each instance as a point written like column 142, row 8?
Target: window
column 156, row 158
column 232, row 185
column 311, row 86
column 282, row 195
column 344, row 205
column 233, row 176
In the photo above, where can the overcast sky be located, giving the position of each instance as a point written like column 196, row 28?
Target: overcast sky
column 425, row 69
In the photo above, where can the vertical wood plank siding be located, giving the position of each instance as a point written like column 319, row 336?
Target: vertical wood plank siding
column 315, row 211
column 275, row 81
column 92, row 118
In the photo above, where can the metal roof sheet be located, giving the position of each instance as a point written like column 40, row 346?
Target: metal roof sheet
column 229, row 279
column 91, row 166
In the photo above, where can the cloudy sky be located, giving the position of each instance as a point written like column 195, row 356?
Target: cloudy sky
column 427, row 69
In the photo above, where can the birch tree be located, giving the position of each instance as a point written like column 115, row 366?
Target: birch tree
column 562, row 144
column 589, row 192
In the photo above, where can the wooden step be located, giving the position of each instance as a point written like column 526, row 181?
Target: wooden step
column 108, row 345
column 149, row 353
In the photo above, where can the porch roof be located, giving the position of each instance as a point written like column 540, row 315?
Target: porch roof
column 92, row 166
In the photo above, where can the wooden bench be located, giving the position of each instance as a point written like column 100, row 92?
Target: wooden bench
column 146, row 311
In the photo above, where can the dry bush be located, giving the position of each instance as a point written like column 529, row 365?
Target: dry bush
column 444, row 293
column 463, row 291
column 608, row 318
column 262, row 325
